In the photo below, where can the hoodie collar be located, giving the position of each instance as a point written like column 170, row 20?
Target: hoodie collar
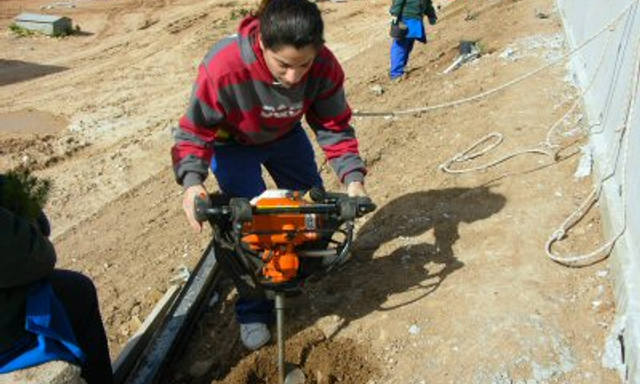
column 249, row 37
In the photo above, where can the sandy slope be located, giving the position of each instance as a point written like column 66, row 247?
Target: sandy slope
column 450, row 283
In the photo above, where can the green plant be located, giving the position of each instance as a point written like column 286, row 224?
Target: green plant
column 23, row 193
column 482, row 46
column 20, row 31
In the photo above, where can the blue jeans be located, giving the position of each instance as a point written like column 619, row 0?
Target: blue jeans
column 290, row 161
column 400, row 51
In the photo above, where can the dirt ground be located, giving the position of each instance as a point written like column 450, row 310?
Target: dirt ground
column 450, row 282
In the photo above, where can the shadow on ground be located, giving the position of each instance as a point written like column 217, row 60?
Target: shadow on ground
column 406, row 246
column 15, row 71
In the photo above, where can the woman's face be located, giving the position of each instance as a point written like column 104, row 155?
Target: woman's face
column 288, row 65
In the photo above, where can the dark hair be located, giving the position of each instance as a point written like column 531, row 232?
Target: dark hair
column 290, row 22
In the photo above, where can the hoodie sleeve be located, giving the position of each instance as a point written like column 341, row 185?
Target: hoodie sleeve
column 194, row 137
column 329, row 118
column 26, row 255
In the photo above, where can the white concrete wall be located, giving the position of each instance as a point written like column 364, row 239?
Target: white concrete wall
column 607, row 103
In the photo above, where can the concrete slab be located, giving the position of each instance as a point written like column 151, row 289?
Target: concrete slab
column 55, row 372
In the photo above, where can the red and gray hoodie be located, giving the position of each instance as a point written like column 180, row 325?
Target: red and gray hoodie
column 236, row 96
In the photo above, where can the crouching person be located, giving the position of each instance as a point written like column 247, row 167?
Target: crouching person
column 45, row 314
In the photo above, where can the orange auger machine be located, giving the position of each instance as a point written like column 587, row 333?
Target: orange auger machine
column 282, row 238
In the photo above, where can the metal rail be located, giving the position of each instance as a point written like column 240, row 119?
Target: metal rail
column 179, row 323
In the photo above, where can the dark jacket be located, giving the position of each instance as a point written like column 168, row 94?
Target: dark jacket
column 414, row 9
column 26, row 256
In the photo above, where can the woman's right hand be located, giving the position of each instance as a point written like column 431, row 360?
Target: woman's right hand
column 188, row 205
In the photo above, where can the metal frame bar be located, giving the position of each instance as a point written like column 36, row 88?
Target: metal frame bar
column 175, row 331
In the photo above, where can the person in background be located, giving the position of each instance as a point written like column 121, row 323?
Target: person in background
column 46, row 314
column 412, row 13
column 250, row 94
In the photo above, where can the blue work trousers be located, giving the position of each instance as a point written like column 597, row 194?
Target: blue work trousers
column 290, row 161
column 400, row 51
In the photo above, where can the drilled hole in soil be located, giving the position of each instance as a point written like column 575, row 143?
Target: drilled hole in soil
column 323, row 362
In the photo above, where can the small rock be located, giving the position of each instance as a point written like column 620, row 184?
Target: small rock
column 585, row 166
column 329, row 325
column 507, row 53
column 377, row 89
column 134, row 324
column 540, row 14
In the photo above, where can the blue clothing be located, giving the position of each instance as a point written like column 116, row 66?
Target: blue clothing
column 291, row 163
column 416, row 30
column 254, row 311
column 401, row 49
column 289, row 160
column 50, row 335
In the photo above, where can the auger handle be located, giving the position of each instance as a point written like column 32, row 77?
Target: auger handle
column 239, row 209
column 349, row 208
column 205, row 210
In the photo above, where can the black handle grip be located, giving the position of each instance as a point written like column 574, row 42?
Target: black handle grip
column 319, row 195
column 353, row 207
column 201, row 205
column 365, row 205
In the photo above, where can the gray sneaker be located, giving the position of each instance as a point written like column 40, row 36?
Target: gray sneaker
column 254, row 335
